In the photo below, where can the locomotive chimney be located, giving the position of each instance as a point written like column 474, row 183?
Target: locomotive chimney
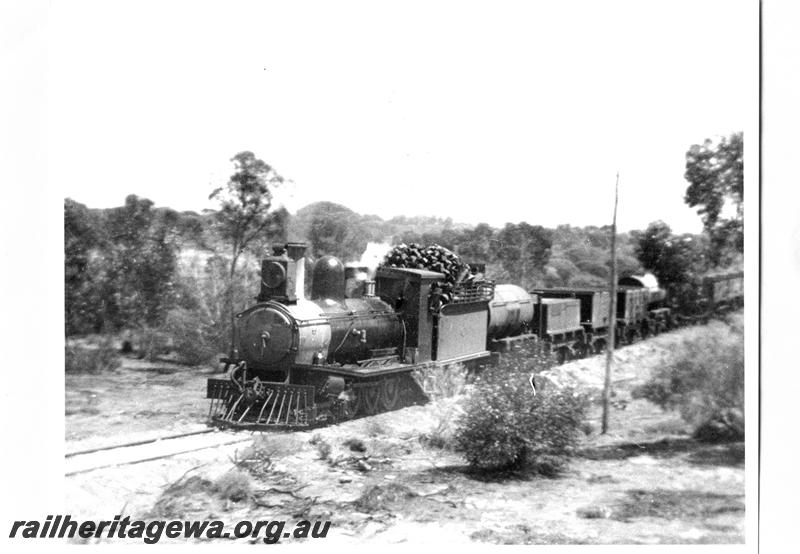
column 296, row 274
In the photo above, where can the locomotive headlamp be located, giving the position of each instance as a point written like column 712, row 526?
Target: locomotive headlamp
column 273, row 274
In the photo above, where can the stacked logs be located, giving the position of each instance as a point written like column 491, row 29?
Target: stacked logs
column 432, row 258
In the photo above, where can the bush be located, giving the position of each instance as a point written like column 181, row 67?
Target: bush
column 506, row 426
column 725, row 425
column 444, row 381
column 255, row 459
column 91, row 359
column 527, row 358
column 193, row 338
column 446, row 416
column 152, row 343
column 323, row 450
column 704, row 381
column 180, row 498
column 384, row 497
column 235, row 485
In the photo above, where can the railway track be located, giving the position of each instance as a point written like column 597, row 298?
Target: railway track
column 156, row 448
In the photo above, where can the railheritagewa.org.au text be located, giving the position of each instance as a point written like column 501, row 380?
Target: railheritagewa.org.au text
column 152, row 531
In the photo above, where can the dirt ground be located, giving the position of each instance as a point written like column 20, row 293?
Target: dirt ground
column 379, row 480
column 140, row 399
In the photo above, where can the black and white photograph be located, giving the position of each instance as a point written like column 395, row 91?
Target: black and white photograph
column 350, row 274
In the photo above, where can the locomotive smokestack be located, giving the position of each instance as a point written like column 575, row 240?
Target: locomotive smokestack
column 296, row 278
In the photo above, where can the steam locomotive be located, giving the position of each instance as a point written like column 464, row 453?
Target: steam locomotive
column 361, row 346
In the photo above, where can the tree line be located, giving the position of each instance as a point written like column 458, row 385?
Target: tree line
column 179, row 276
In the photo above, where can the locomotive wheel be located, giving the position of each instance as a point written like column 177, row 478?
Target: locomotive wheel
column 390, row 393
column 371, row 399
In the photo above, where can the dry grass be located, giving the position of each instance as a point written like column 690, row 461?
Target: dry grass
column 383, row 497
column 182, row 497
column 257, row 459
column 276, row 445
column 95, row 359
column 374, row 428
column 235, row 485
column 193, row 494
column 674, row 504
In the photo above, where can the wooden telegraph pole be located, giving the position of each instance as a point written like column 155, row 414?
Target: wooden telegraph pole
column 612, row 311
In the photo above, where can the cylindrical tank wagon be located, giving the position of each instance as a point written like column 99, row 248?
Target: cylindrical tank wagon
column 510, row 312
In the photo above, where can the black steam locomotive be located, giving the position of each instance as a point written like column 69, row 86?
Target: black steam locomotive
column 360, row 346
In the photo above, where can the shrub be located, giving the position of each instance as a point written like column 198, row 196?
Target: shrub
column 355, row 444
column 193, row 338
column 445, row 381
column 235, row 485
column 527, row 358
column 180, row 498
column 383, row 497
column 152, row 343
column 91, row 359
column 704, row 381
column 506, row 426
column 446, row 416
column 323, row 450
column 255, row 459
column 725, row 425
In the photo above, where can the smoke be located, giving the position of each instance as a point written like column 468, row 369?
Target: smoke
column 373, row 255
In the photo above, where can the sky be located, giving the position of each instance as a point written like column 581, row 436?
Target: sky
column 481, row 111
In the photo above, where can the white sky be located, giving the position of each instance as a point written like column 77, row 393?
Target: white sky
column 481, row 111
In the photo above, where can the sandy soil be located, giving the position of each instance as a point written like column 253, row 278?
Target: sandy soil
column 378, row 480
column 138, row 400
